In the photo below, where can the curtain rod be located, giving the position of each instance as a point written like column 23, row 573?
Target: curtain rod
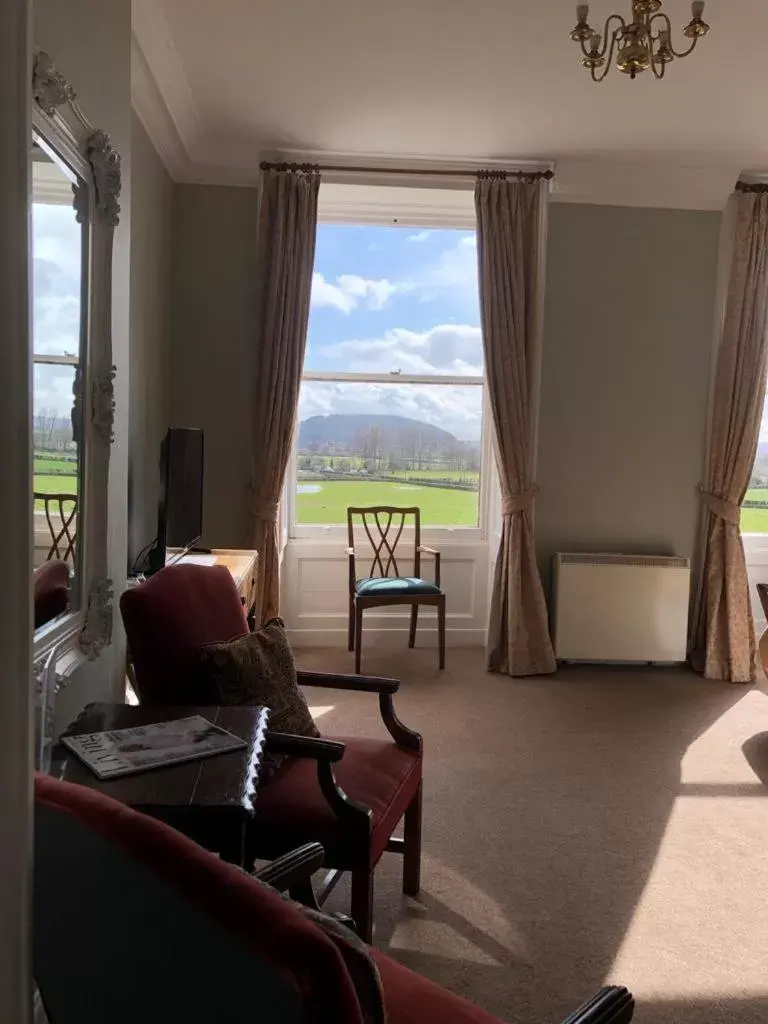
column 746, row 186
column 409, row 172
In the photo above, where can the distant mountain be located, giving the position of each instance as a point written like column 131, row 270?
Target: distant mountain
column 395, row 432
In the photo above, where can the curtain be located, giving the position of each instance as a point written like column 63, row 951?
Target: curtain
column 724, row 634
column 507, row 250
column 285, row 259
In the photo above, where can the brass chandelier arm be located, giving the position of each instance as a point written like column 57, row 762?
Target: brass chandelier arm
column 661, row 16
column 609, row 61
column 601, row 53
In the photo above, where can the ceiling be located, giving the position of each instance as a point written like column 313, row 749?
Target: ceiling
column 221, row 85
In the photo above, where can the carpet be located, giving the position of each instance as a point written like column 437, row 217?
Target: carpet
column 601, row 825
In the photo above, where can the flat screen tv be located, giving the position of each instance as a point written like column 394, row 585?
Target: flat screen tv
column 180, row 508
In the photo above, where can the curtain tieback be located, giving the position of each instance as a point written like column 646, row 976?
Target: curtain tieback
column 521, row 502
column 727, row 510
column 262, row 508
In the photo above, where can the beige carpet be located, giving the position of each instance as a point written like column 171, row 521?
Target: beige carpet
column 598, row 826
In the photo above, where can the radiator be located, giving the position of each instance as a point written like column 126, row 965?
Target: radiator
column 620, row 607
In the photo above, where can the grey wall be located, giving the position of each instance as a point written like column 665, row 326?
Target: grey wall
column 90, row 43
column 214, row 250
column 150, row 365
column 625, row 379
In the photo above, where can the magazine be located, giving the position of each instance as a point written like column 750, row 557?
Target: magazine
column 120, row 752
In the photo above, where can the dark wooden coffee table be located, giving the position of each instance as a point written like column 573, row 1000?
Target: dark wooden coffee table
column 210, row 800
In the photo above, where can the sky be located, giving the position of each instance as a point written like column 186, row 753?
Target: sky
column 396, row 299
column 56, row 303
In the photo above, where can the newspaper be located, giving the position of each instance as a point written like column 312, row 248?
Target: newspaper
column 120, row 752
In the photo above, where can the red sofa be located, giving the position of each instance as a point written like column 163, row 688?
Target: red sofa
column 133, row 922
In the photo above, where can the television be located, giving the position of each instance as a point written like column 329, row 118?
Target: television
column 180, row 508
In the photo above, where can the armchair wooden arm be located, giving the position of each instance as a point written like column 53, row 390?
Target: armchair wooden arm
column 322, row 751
column 326, row 753
column 352, row 570
column 339, row 681
column 292, row 868
column 611, row 1005
column 424, row 550
column 400, row 733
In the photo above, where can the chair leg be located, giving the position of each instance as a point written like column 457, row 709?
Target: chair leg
column 412, row 846
column 412, row 630
column 441, row 631
column 362, row 903
column 351, row 630
column 358, row 636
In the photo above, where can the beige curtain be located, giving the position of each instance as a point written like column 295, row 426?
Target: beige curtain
column 285, row 258
column 507, row 248
column 724, row 632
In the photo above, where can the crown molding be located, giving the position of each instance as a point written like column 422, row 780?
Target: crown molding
column 161, row 89
column 656, row 185
column 151, row 110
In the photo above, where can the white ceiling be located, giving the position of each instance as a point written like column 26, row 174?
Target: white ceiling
column 226, row 83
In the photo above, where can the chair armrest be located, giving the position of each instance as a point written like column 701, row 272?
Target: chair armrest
column 611, row 1005
column 424, row 550
column 334, row 681
column 292, row 868
column 352, row 570
column 326, row 751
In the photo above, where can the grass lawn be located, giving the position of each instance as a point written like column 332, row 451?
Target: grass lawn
column 755, row 520
column 53, row 483
column 44, row 466
column 327, row 505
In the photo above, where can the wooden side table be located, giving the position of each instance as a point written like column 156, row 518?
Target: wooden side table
column 211, row 800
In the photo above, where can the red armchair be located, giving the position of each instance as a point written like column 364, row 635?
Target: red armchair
column 347, row 794
column 132, row 921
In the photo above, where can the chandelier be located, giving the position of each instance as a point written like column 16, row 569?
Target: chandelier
column 635, row 43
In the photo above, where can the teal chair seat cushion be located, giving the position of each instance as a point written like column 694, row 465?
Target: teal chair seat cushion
column 394, row 586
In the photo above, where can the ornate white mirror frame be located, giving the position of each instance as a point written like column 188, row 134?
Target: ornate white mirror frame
column 82, row 634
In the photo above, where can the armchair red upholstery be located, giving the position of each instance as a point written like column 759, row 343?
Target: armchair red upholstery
column 353, row 812
column 167, row 618
column 133, row 921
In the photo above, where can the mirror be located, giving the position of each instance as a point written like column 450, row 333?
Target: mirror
column 59, row 350
column 76, row 178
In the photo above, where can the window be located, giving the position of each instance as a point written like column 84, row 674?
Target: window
column 754, row 508
column 391, row 403
column 56, row 346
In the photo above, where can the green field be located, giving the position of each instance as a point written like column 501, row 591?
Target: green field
column 53, row 483
column 440, row 506
column 43, row 465
column 755, row 520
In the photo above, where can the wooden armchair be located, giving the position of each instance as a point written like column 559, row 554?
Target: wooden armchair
column 63, row 525
column 383, row 527
column 347, row 794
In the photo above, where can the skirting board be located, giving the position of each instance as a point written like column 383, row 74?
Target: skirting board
column 373, row 638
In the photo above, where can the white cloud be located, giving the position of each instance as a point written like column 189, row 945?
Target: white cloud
column 455, row 408
column 453, row 349
column 351, row 291
column 420, row 236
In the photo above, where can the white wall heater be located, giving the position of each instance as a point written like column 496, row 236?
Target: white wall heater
column 620, row 607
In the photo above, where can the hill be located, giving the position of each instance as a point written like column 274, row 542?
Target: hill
column 348, row 429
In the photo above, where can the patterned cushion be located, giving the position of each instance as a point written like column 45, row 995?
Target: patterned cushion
column 394, row 586
column 258, row 669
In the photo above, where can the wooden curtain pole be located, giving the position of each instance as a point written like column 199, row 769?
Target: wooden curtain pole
column 410, row 172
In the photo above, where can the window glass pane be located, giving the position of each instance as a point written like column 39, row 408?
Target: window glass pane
column 55, row 452
column 754, row 509
column 56, row 242
column 394, row 299
column 392, row 444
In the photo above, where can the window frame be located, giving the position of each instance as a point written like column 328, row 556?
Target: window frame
column 422, row 208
